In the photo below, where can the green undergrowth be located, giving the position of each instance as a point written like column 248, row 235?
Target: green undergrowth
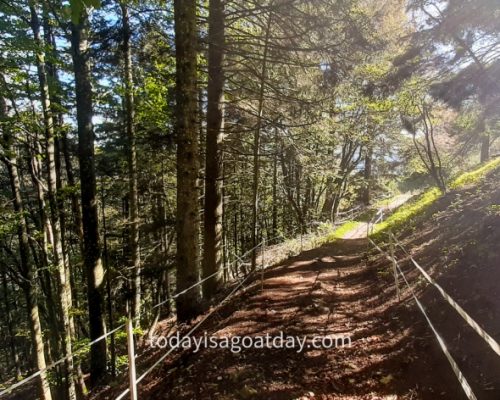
column 404, row 214
column 340, row 231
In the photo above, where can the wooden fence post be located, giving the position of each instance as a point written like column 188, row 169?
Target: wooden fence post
column 263, row 250
column 131, row 359
column 394, row 266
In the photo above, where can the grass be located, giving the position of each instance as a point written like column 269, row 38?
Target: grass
column 403, row 215
column 475, row 176
column 339, row 232
column 407, row 211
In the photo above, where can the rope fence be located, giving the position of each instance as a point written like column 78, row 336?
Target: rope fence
column 393, row 241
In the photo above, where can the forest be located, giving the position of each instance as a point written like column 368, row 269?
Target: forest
column 157, row 156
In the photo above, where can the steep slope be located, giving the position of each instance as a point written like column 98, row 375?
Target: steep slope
column 457, row 240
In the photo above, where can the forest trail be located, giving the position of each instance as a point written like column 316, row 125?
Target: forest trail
column 345, row 288
column 360, row 231
column 330, row 290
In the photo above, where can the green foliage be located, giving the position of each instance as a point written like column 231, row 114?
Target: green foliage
column 476, row 175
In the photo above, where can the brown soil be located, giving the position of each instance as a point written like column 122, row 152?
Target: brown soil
column 394, row 354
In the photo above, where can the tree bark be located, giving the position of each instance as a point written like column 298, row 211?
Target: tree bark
column 135, row 257
column 57, row 249
column 485, row 147
column 367, row 175
column 187, row 223
column 256, row 143
column 212, row 256
column 10, row 327
column 92, row 249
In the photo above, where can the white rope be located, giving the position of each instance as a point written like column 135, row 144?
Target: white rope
column 34, row 375
column 125, row 392
column 460, row 376
column 55, row 363
column 473, row 324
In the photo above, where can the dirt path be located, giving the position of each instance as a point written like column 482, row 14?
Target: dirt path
column 360, row 231
column 329, row 290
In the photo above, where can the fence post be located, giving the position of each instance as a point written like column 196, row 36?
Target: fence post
column 301, row 244
column 263, row 250
column 394, row 266
column 131, row 359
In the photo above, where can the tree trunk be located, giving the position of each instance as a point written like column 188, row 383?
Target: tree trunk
column 256, row 143
column 187, row 223
column 135, row 257
column 274, row 211
column 14, row 354
column 92, row 250
column 109, row 301
column 212, row 256
column 57, row 249
column 485, row 147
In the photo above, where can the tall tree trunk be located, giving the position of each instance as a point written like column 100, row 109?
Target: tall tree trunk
column 212, row 256
column 134, row 253
column 187, row 223
column 485, row 147
column 109, row 301
column 92, row 249
column 256, row 142
column 57, row 249
column 274, row 212
column 60, row 139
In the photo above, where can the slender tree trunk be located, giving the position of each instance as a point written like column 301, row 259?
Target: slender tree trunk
column 58, row 255
column 274, row 212
column 109, row 301
column 485, row 147
column 212, row 256
column 14, row 354
column 134, row 250
column 187, row 223
column 256, row 143
column 92, row 249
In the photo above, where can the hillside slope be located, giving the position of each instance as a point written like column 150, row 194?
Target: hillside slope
column 457, row 240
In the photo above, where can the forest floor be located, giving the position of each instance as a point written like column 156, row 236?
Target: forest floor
column 346, row 288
